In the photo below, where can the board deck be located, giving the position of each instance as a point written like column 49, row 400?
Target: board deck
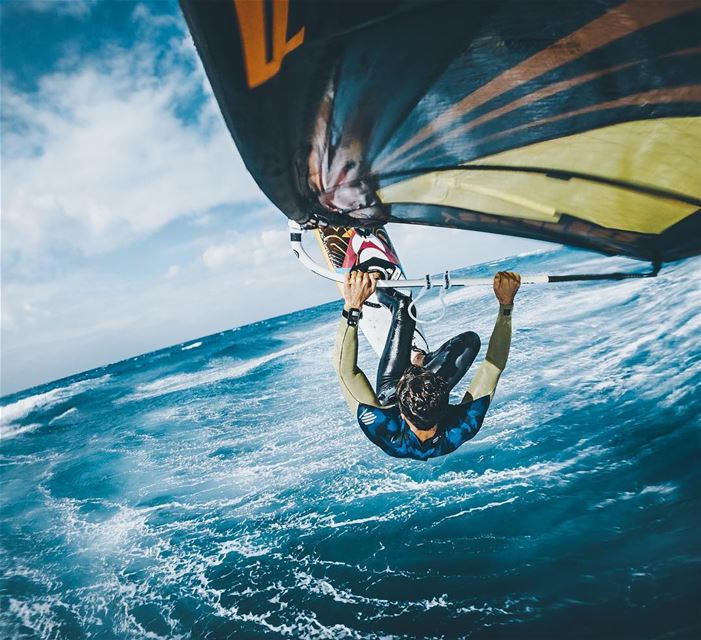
column 345, row 247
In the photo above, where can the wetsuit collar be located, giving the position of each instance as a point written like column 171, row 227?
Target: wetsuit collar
column 424, row 444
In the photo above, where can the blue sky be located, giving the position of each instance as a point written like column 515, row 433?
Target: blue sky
column 129, row 222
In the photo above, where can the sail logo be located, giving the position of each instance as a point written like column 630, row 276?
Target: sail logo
column 258, row 37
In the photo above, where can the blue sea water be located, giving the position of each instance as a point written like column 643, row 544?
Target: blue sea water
column 221, row 489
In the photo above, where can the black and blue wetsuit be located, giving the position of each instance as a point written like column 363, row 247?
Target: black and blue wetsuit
column 379, row 416
column 386, row 428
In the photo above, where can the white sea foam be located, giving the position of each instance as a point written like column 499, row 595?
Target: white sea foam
column 385, row 608
column 482, row 507
column 184, row 381
column 69, row 412
column 36, row 616
column 348, row 523
column 20, row 409
column 12, row 431
column 322, row 586
column 550, row 472
column 656, row 490
column 244, row 545
column 535, row 252
column 193, row 345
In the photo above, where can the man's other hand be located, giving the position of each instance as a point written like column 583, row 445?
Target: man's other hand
column 358, row 287
column 506, row 284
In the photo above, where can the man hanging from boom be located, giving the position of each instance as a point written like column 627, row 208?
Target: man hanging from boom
column 410, row 416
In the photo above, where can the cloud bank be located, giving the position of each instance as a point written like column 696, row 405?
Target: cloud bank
column 110, row 150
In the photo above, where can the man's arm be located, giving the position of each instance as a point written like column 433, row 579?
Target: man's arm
column 354, row 383
column 356, row 388
column 484, row 383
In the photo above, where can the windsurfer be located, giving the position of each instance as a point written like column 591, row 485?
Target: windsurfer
column 409, row 416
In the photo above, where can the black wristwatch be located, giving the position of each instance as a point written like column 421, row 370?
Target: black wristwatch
column 352, row 315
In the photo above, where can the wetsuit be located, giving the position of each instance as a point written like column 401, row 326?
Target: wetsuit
column 450, row 361
column 383, row 424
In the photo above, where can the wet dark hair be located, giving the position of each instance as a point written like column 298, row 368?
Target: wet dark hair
column 422, row 396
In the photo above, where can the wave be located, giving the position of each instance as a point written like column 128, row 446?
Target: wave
column 389, row 608
column 245, row 546
column 185, row 381
column 534, row 252
column 38, row 617
column 12, row 430
column 660, row 492
column 20, row 409
column 484, row 507
column 194, row 345
column 70, row 412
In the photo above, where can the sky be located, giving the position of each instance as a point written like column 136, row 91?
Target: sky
column 129, row 222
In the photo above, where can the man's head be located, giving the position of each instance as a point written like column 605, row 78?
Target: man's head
column 422, row 397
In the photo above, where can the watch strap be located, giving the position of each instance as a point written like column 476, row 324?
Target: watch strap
column 353, row 315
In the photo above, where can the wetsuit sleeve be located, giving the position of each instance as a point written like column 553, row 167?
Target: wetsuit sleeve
column 485, row 381
column 354, row 384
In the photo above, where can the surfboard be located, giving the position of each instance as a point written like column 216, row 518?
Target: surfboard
column 371, row 250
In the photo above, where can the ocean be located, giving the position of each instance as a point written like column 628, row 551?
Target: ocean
column 221, row 488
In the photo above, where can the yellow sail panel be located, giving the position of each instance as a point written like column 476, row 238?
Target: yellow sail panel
column 666, row 156
column 475, row 190
column 663, row 153
column 535, row 196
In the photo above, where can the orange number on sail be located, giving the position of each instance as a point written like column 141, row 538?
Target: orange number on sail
column 262, row 65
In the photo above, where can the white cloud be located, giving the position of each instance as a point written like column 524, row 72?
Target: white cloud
column 99, row 157
column 74, row 8
column 31, row 310
column 274, row 238
column 246, row 251
column 219, row 256
column 173, row 271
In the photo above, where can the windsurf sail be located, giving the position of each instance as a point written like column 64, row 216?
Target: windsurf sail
column 576, row 124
